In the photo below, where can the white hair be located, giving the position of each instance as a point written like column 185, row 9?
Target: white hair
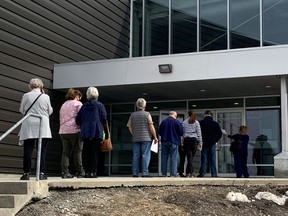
column 35, row 83
column 92, row 93
column 141, row 103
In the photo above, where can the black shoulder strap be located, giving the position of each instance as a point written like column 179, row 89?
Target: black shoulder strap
column 32, row 104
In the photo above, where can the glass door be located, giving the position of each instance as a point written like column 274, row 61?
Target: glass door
column 230, row 121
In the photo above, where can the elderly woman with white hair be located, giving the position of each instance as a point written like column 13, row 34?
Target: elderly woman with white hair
column 35, row 102
column 141, row 127
column 92, row 118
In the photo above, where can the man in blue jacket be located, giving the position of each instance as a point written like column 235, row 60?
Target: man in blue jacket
column 211, row 134
column 170, row 131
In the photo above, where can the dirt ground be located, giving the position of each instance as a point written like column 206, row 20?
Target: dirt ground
column 165, row 200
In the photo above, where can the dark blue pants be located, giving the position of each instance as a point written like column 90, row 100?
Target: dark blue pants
column 28, row 150
column 240, row 163
column 91, row 150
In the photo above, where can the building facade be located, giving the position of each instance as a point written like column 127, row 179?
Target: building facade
column 35, row 35
column 227, row 56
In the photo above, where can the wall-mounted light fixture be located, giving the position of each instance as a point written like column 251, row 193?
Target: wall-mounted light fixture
column 165, row 68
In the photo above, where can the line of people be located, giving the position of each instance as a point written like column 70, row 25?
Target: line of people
column 84, row 126
column 185, row 138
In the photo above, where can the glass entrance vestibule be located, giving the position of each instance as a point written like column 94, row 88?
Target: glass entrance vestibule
column 260, row 114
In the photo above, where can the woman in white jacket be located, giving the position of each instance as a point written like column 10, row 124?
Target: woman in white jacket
column 29, row 132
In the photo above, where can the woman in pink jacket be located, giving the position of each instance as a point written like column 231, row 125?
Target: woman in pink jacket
column 70, row 134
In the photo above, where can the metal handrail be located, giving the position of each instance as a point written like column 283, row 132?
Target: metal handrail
column 39, row 139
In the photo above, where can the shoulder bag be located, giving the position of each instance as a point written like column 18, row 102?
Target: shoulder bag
column 106, row 144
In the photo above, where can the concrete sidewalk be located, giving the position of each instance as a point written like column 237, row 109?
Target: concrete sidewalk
column 104, row 182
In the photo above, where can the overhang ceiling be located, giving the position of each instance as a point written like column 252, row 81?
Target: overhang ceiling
column 191, row 90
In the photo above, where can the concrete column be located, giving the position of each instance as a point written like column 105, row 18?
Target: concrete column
column 281, row 160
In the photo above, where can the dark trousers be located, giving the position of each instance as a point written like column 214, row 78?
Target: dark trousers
column 101, row 164
column 240, row 163
column 91, row 149
column 28, row 150
column 182, row 155
column 190, row 147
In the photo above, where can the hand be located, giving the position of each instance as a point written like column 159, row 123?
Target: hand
column 156, row 140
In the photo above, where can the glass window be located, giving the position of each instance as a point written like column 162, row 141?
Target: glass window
column 223, row 103
column 184, row 26
column 156, row 27
column 264, row 140
column 275, row 19
column 118, row 108
column 177, row 105
column 244, row 23
column 121, row 156
column 213, row 21
column 264, row 101
column 137, row 28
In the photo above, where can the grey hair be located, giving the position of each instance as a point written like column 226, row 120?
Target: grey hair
column 141, row 103
column 172, row 113
column 92, row 93
column 35, row 83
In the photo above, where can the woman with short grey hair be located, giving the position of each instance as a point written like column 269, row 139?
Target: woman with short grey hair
column 92, row 118
column 36, row 102
column 92, row 93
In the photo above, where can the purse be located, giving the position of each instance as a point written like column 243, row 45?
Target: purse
column 106, row 144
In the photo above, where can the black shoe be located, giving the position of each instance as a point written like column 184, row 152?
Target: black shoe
column 25, row 176
column 135, row 176
column 42, row 176
column 67, row 175
column 200, row 176
column 94, row 175
column 146, row 176
column 183, row 176
column 80, row 174
column 87, row 175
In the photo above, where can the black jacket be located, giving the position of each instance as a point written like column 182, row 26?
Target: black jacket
column 211, row 131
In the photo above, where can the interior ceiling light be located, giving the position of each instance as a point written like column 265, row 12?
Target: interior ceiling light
column 202, row 90
column 194, row 105
column 236, row 103
column 144, row 93
column 268, row 86
column 155, row 107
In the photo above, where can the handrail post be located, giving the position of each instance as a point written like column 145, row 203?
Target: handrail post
column 39, row 150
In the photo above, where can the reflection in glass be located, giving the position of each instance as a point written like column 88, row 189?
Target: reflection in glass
column 156, row 27
column 121, row 156
column 275, row 19
column 264, row 133
column 184, row 26
column 137, row 28
column 213, row 21
column 244, row 23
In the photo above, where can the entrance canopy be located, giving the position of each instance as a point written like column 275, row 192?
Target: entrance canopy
column 217, row 74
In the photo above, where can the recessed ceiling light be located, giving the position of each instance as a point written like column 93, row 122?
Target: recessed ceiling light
column 144, row 93
column 236, row 103
column 268, row 86
column 202, row 90
column 194, row 105
column 155, row 107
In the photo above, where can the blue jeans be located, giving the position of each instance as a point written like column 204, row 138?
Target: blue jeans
column 208, row 153
column 168, row 148
column 141, row 150
column 240, row 163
